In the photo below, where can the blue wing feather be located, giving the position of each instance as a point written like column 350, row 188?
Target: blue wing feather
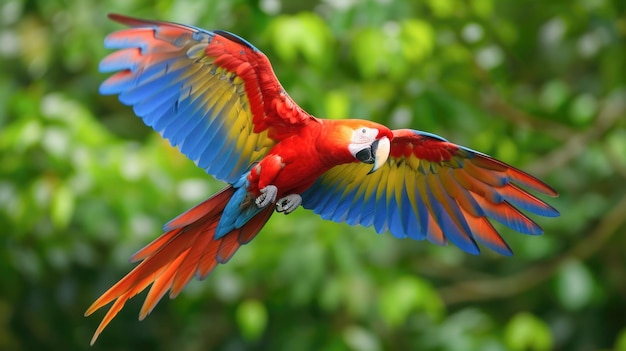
column 394, row 221
column 380, row 215
column 355, row 209
column 424, row 199
column 163, row 70
column 176, row 133
column 193, row 141
column 449, row 217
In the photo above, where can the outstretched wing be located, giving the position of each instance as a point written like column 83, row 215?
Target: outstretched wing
column 435, row 190
column 210, row 93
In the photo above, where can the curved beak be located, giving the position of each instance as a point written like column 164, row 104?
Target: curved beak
column 380, row 149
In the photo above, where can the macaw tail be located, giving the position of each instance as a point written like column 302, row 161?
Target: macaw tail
column 187, row 248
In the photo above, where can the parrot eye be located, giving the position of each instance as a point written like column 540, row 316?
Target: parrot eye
column 364, row 135
column 360, row 143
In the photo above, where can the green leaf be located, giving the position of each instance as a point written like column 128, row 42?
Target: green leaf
column 417, row 39
column 21, row 135
column 361, row 339
column 554, row 94
column 574, row 285
column 397, row 300
column 616, row 145
column 620, row 344
column 482, row 8
column 443, row 8
column 368, row 52
column 62, row 207
column 305, row 33
column 507, row 150
column 337, row 104
column 527, row 332
column 405, row 295
column 583, row 109
column 252, row 319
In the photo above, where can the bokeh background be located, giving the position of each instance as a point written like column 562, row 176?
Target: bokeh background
column 538, row 84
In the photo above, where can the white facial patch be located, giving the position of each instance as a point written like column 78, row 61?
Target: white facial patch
column 361, row 138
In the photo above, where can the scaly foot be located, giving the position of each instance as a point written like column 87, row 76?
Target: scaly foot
column 268, row 196
column 288, row 203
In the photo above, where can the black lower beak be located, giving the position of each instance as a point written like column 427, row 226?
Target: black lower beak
column 367, row 155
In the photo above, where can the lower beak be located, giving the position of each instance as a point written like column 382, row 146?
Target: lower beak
column 380, row 150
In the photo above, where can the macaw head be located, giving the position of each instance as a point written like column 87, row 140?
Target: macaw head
column 366, row 141
column 369, row 145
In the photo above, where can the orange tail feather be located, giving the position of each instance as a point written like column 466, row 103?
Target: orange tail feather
column 170, row 261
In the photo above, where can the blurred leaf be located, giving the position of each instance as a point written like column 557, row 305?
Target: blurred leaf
column 252, row 319
column 620, row 343
column 397, row 300
column 527, row 332
column 554, row 94
column 443, row 8
column 507, row 150
column 369, row 51
column 62, row 207
column 616, row 143
column 574, row 285
column 21, row 135
column 405, row 295
column 304, row 33
column 489, row 57
column 417, row 38
column 360, row 339
column 337, row 104
column 583, row 109
column 482, row 8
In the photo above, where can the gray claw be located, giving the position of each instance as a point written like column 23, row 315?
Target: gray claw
column 268, row 196
column 288, row 203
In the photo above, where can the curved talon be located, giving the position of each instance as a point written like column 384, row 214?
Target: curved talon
column 288, row 203
column 268, row 196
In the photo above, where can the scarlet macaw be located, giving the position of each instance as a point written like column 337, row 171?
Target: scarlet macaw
column 215, row 96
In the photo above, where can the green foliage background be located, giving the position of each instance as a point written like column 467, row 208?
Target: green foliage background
column 538, row 84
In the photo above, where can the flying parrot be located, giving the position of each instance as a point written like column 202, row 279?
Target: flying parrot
column 215, row 96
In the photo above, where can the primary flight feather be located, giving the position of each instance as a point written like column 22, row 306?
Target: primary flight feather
column 214, row 96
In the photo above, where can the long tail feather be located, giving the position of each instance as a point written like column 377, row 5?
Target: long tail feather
column 169, row 262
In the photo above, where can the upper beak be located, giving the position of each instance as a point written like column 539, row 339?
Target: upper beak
column 380, row 149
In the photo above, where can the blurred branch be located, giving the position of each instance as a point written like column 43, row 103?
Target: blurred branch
column 480, row 290
column 497, row 105
column 434, row 267
column 494, row 103
column 612, row 111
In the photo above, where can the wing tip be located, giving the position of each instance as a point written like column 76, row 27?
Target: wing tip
column 111, row 313
column 470, row 249
column 501, row 247
column 549, row 211
column 516, row 174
